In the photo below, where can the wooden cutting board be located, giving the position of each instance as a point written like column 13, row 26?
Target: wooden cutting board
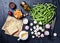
column 12, row 26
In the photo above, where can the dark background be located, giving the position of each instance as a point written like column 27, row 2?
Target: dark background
column 4, row 8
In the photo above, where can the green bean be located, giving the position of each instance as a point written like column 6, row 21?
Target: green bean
column 43, row 12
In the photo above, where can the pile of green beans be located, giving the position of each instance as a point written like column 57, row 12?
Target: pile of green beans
column 43, row 12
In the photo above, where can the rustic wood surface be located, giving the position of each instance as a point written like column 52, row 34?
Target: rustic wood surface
column 4, row 8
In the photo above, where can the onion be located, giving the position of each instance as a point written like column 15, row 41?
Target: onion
column 47, row 26
column 27, row 27
column 46, row 33
column 25, row 21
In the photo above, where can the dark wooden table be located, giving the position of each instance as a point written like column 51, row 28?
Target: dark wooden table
column 4, row 8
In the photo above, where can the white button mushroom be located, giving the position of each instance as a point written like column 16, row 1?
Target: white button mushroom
column 54, row 34
column 46, row 33
column 25, row 21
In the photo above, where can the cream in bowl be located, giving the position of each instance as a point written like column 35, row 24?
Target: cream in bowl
column 23, row 35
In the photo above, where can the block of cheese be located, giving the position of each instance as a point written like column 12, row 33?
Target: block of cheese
column 12, row 25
